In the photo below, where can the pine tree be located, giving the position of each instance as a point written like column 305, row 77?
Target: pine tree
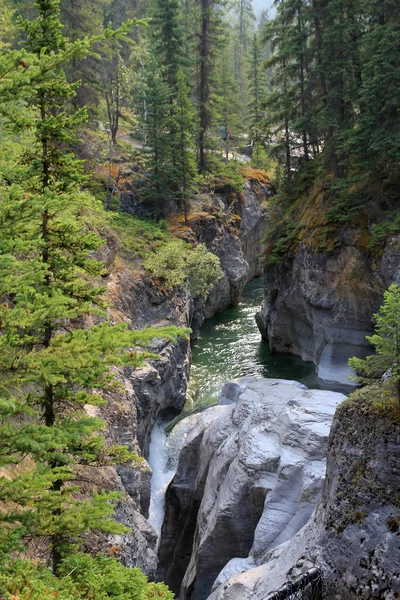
column 184, row 159
column 52, row 361
column 386, row 341
column 257, row 88
column 226, row 104
column 210, row 32
column 169, row 41
column 155, row 121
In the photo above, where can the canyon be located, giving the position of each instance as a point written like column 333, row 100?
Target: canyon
column 249, row 506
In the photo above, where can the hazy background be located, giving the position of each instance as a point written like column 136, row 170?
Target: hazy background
column 260, row 5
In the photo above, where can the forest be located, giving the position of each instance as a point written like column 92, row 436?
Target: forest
column 173, row 100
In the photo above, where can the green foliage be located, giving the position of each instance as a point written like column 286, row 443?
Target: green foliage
column 81, row 577
column 154, row 127
column 257, row 88
column 386, row 341
column 139, row 237
column 197, row 269
column 53, row 359
column 183, row 159
column 169, row 43
column 388, row 227
column 223, row 177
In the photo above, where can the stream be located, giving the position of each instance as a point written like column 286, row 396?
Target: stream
column 229, row 346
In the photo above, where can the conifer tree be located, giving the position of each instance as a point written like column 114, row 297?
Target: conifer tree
column 155, row 122
column 225, row 101
column 257, row 88
column 209, row 35
column 52, row 361
column 184, row 159
column 169, row 41
column 386, row 341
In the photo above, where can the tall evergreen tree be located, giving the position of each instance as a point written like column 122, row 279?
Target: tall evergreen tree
column 52, row 361
column 257, row 88
column 211, row 29
column 184, row 159
column 155, row 119
column 169, row 41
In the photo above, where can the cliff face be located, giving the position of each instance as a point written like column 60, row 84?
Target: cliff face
column 160, row 386
column 249, row 477
column 239, row 248
column 320, row 305
column 354, row 534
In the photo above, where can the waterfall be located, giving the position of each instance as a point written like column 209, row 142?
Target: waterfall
column 163, row 459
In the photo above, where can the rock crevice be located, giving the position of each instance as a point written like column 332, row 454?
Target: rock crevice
column 160, row 386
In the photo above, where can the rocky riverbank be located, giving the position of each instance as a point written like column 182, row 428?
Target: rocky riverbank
column 320, row 305
column 353, row 536
column 234, row 233
column 249, row 477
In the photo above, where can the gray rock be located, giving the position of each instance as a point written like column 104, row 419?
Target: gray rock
column 353, row 536
column 160, row 386
column 248, row 479
column 321, row 306
column 239, row 251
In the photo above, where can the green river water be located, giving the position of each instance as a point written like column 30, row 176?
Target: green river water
column 230, row 346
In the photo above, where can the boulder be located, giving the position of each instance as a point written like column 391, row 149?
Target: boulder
column 248, row 479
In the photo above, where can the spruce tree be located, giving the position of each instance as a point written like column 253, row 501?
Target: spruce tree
column 386, row 341
column 257, row 87
column 211, row 31
column 155, row 125
column 169, row 41
column 53, row 362
column 184, row 159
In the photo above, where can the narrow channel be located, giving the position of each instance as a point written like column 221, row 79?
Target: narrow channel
column 230, row 346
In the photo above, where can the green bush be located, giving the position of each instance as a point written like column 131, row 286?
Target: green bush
column 386, row 341
column 177, row 264
column 82, row 577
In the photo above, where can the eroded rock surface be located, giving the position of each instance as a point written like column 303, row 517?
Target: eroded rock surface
column 353, row 537
column 320, row 306
column 160, row 386
column 248, row 479
column 238, row 247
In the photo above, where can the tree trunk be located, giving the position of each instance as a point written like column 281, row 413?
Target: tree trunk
column 203, row 83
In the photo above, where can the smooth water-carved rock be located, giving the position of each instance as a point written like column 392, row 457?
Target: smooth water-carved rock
column 320, row 306
column 249, row 478
column 160, row 386
column 353, row 536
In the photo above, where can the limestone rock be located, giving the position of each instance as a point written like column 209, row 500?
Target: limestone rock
column 248, row 479
column 353, row 536
column 160, row 386
column 239, row 250
column 320, row 306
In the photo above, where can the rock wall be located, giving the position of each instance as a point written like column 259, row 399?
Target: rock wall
column 160, row 386
column 239, row 247
column 320, row 306
column 249, row 477
column 353, row 537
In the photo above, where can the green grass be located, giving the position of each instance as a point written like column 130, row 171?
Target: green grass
column 139, row 237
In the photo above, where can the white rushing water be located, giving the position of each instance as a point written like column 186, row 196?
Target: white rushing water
column 163, row 472
column 163, row 459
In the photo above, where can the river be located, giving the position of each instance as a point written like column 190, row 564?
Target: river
column 229, row 346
